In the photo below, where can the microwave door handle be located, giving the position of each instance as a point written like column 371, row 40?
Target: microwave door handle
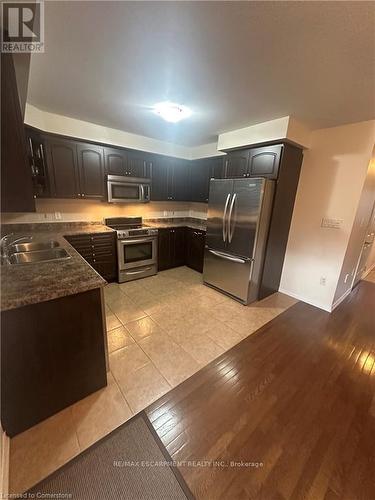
column 142, row 192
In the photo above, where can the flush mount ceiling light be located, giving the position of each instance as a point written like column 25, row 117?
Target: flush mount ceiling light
column 171, row 112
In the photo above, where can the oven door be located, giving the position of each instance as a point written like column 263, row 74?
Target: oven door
column 128, row 192
column 137, row 252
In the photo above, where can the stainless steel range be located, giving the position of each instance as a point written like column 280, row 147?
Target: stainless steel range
column 137, row 248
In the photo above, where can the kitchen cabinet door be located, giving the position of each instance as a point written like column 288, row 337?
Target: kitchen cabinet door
column 16, row 181
column 116, row 161
column 236, row 164
column 195, row 249
column 178, row 246
column 159, row 179
column 216, row 167
column 37, row 160
column 91, row 171
column 201, row 172
column 138, row 164
column 99, row 249
column 63, row 168
column 264, row 162
column 200, row 176
column 180, row 186
column 164, row 249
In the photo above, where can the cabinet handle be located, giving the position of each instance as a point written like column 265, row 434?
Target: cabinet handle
column 83, row 195
column 31, row 147
column 41, row 153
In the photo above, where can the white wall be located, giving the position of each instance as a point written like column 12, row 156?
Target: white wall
column 92, row 210
column 58, row 124
column 358, row 234
column 285, row 128
column 331, row 182
column 280, row 129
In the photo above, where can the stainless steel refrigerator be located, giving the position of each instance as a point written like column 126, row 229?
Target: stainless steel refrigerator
column 238, row 218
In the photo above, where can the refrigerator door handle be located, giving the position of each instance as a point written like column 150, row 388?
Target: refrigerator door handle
column 230, row 228
column 224, row 216
column 229, row 257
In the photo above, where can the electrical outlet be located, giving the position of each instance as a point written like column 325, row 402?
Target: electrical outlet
column 323, row 280
column 58, row 215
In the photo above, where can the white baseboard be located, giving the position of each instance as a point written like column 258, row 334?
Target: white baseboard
column 343, row 297
column 4, row 468
column 304, row 299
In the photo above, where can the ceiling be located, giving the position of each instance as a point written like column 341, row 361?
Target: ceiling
column 234, row 63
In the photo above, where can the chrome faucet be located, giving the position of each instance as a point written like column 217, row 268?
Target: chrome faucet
column 7, row 240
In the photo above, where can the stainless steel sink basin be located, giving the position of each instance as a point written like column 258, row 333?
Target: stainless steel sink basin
column 32, row 246
column 39, row 256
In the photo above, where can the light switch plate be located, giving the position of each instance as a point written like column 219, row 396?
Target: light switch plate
column 332, row 223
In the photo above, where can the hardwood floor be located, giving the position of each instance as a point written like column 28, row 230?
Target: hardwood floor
column 297, row 397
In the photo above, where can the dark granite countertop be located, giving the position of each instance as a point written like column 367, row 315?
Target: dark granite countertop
column 177, row 222
column 38, row 282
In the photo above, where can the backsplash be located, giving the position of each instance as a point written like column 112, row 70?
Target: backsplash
column 58, row 210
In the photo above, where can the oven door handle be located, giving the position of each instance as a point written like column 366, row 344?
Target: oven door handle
column 128, row 242
column 139, row 272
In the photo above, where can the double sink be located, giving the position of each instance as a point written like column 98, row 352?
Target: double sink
column 35, row 251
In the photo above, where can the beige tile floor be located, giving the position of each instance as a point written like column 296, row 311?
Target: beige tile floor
column 161, row 330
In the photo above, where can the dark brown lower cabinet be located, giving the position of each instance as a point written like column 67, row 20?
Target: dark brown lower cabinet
column 195, row 249
column 179, row 246
column 52, row 355
column 99, row 249
column 171, row 247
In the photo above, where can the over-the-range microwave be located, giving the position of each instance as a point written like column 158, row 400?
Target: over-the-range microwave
column 123, row 189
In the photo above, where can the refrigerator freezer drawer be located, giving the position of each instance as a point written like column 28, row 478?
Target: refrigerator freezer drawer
column 228, row 273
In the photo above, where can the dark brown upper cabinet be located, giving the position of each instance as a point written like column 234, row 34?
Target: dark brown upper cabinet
column 170, row 180
column 139, row 164
column 236, row 164
column 264, row 162
column 127, row 162
column 159, row 179
column 91, row 171
column 116, row 161
column 181, row 181
column 63, row 168
column 201, row 172
column 38, row 164
column 255, row 162
column 17, row 193
column 200, row 177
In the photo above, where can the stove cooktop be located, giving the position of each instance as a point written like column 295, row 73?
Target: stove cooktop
column 127, row 227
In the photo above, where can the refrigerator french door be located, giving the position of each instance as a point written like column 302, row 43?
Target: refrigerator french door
column 237, row 227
